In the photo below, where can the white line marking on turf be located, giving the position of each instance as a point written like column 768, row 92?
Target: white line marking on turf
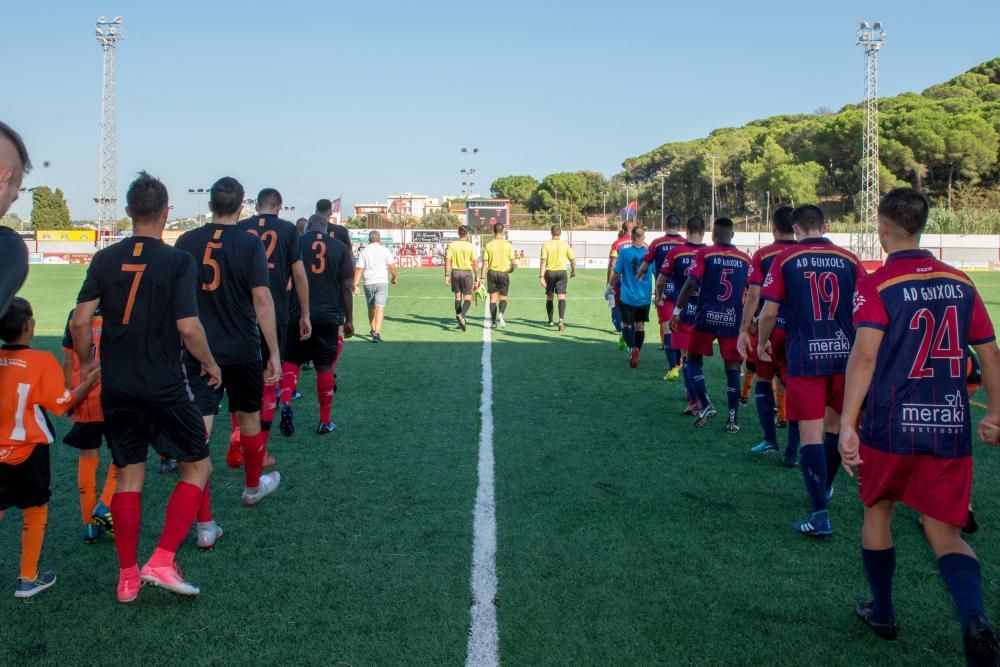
column 483, row 649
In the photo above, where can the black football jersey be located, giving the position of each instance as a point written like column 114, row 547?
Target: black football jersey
column 14, row 260
column 327, row 262
column 144, row 286
column 282, row 247
column 231, row 263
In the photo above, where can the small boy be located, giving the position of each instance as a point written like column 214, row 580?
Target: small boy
column 914, row 317
column 31, row 382
column 86, row 436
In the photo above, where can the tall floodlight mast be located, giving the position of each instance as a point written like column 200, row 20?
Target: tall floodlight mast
column 871, row 39
column 109, row 33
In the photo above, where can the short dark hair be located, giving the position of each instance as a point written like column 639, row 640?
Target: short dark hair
column 11, row 135
column 782, row 219
column 463, row 231
column 324, row 206
column 905, row 208
column 809, row 217
column 673, row 222
column 269, row 198
column 696, row 225
column 13, row 321
column 226, row 196
column 146, row 198
column 723, row 230
column 556, row 230
column 498, row 228
column 725, row 223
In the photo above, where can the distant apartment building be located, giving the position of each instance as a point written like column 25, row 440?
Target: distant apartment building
column 413, row 205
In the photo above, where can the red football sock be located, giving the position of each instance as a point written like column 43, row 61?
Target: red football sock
column 289, row 379
column 205, row 509
column 269, row 406
column 324, row 390
column 340, row 348
column 182, row 509
column 252, row 447
column 126, row 508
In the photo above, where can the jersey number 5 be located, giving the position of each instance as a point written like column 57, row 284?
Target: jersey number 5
column 824, row 288
column 207, row 260
column 319, row 265
column 933, row 343
column 727, row 286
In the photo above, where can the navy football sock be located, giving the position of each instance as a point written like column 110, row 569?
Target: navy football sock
column 832, row 452
column 640, row 337
column 629, row 334
column 548, row 309
column 503, row 307
column 733, row 392
column 668, row 351
column 616, row 318
column 493, row 312
column 692, row 395
column 880, row 566
column 813, row 463
column 458, row 307
column 792, row 448
column 562, row 309
column 698, row 381
column 465, row 306
column 963, row 577
column 764, row 399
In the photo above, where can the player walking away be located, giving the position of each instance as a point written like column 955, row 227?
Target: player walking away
column 284, row 265
column 375, row 263
column 86, row 435
column 460, row 271
column 30, row 383
column 147, row 293
column 14, row 164
column 234, row 299
column 624, row 240
column 636, row 290
column 498, row 264
column 814, row 281
column 719, row 274
column 330, row 269
column 324, row 210
column 654, row 258
column 672, row 277
column 768, row 372
column 556, row 254
column 915, row 315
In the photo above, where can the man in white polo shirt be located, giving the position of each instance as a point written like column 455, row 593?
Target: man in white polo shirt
column 375, row 262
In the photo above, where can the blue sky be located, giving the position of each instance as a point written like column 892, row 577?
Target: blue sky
column 367, row 98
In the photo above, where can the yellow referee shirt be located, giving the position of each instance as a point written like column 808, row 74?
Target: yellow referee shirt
column 557, row 254
column 461, row 254
column 498, row 255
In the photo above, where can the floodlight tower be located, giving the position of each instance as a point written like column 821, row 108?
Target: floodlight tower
column 469, row 153
column 871, row 39
column 109, row 33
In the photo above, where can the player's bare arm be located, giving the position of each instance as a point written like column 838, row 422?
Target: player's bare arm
column 747, row 325
column 641, row 273
column 195, row 342
column 345, row 298
column 81, row 333
column 541, row 274
column 67, row 366
column 447, row 271
column 860, row 368
column 392, row 272
column 302, row 291
column 87, row 382
column 989, row 361
column 765, row 327
column 476, row 271
column 690, row 285
column 263, row 305
column 572, row 268
column 661, row 282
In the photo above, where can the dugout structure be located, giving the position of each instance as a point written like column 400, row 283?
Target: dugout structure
column 482, row 214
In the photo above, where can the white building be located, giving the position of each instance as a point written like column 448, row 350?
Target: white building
column 411, row 204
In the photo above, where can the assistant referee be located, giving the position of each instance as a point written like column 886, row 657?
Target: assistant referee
column 556, row 254
column 498, row 264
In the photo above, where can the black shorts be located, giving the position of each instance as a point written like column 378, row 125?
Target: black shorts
column 290, row 338
column 85, row 435
column 498, row 281
column 26, row 484
column 281, row 331
column 461, row 282
column 555, row 282
column 243, row 384
column 320, row 348
column 131, row 426
column 633, row 314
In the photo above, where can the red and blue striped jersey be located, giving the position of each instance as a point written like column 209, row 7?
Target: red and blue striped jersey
column 675, row 268
column 918, row 402
column 760, row 264
column 815, row 281
column 656, row 254
column 721, row 270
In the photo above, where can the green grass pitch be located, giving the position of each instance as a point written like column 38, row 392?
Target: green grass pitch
column 624, row 536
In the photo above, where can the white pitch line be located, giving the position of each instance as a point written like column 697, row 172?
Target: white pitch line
column 483, row 649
